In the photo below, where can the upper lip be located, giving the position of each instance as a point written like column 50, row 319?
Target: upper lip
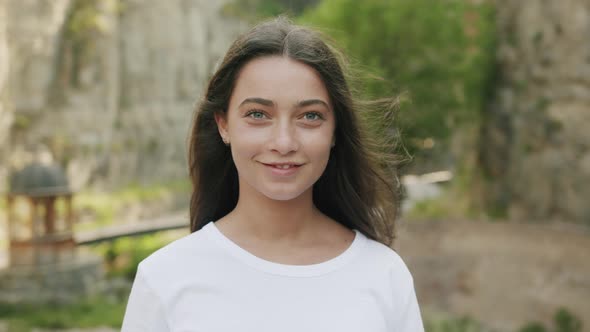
column 284, row 163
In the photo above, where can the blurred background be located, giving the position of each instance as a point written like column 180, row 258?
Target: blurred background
column 97, row 96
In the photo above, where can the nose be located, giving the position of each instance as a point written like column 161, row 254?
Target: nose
column 284, row 139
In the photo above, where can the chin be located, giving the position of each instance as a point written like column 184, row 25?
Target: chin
column 283, row 194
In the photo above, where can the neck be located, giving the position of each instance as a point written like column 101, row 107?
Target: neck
column 274, row 220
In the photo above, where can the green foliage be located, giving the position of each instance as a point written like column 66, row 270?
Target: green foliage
column 3, row 239
column 453, row 203
column 123, row 255
column 86, row 21
column 439, row 52
column 462, row 324
column 533, row 327
column 253, row 10
column 81, row 28
column 22, row 122
column 105, row 206
column 563, row 321
column 428, row 209
column 566, row 321
column 89, row 313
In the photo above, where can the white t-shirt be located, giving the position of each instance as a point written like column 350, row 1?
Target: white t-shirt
column 204, row 282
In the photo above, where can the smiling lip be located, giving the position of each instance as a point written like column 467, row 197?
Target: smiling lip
column 283, row 169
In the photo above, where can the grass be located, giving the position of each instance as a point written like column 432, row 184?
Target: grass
column 448, row 205
column 90, row 313
column 104, row 207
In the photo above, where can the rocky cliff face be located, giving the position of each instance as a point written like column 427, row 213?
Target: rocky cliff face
column 5, row 113
column 536, row 147
column 108, row 86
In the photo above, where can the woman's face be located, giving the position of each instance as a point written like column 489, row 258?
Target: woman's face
column 280, row 126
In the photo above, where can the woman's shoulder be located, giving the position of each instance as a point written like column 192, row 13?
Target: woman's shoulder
column 385, row 258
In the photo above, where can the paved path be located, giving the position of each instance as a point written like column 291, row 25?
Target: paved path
column 503, row 274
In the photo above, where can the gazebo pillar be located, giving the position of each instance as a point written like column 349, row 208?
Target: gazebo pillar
column 46, row 233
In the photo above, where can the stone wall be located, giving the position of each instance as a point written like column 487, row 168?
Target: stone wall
column 536, row 146
column 112, row 93
column 5, row 111
column 66, row 281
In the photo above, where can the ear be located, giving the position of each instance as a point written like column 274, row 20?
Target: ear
column 221, row 120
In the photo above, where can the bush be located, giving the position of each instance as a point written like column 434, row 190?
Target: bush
column 440, row 52
column 123, row 255
column 564, row 321
column 462, row 324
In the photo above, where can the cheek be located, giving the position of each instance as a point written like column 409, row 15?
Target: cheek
column 319, row 146
column 244, row 143
column 242, row 148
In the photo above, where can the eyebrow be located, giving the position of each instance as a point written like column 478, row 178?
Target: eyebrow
column 310, row 102
column 257, row 100
column 300, row 104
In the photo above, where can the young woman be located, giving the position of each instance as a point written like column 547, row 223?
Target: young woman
column 291, row 212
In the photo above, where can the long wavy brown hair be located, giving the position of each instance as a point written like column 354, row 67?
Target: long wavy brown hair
column 359, row 187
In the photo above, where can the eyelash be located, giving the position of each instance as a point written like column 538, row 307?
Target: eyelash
column 249, row 114
column 318, row 114
column 255, row 111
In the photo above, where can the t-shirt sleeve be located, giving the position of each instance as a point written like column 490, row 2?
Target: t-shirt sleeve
column 410, row 319
column 144, row 312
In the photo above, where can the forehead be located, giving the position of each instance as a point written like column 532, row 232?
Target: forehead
column 280, row 79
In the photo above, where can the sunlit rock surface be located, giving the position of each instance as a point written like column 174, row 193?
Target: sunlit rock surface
column 536, row 147
column 111, row 93
column 5, row 111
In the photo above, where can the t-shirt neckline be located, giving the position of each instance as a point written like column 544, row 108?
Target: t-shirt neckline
column 286, row 269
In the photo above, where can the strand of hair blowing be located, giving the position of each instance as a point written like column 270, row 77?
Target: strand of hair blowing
column 359, row 186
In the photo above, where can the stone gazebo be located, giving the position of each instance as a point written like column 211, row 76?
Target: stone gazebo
column 46, row 233
column 44, row 263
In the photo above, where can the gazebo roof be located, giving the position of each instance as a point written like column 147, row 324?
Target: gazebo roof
column 37, row 179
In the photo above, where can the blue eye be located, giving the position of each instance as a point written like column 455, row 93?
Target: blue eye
column 312, row 116
column 258, row 115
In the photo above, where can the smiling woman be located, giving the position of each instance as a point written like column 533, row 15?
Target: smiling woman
column 281, row 127
column 291, row 211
